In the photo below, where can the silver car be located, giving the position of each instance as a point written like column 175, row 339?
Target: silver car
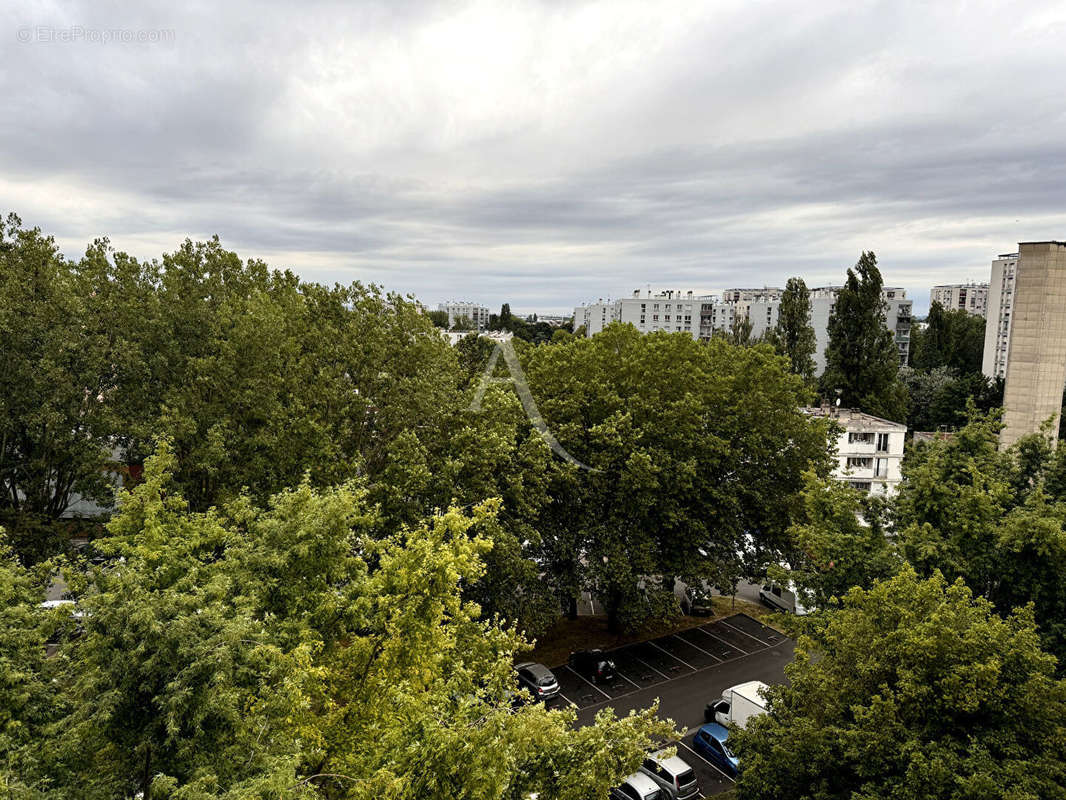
column 637, row 786
column 672, row 774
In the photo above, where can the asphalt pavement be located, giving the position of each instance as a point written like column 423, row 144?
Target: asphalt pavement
column 684, row 671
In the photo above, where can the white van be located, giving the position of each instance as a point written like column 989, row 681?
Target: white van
column 783, row 598
column 738, row 704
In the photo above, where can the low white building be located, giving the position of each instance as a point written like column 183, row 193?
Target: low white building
column 869, row 449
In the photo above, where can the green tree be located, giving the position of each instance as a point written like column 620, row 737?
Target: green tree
column 938, row 398
column 298, row 650
column 438, row 318
column 861, row 358
column 913, row 689
column 951, row 338
column 463, row 323
column 839, row 541
column 696, row 447
column 793, row 336
column 992, row 518
column 65, row 353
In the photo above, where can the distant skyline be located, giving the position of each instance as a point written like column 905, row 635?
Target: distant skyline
column 543, row 154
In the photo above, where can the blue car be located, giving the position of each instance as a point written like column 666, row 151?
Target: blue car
column 710, row 742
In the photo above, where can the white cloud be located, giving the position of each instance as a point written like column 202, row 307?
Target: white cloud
column 545, row 153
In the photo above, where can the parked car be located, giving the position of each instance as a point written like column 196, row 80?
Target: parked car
column 593, row 665
column 637, row 786
column 674, row 776
column 710, row 742
column 538, row 679
column 696, row 602
column 782, row 598
column 737, row 704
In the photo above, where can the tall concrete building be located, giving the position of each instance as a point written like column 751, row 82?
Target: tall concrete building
column 969, row 297
column 1036, row 355
column 997, row 325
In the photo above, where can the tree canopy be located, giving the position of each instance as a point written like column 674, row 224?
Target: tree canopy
column 913, row 689
column 862, row 361
column 293, row 650
column 793, row 337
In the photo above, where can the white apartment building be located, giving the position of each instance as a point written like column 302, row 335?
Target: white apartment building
column 702, row 314
column 671, row 310
column 997, row 325
column 969, row 297
column 869, row 449
column 479, row 315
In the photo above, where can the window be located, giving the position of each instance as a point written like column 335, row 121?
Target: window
column 860, row 462
column 881, row 468
column 860, row 438
column 882, row 443
column 861, row 485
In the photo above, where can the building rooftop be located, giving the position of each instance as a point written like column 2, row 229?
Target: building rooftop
column 852, row 417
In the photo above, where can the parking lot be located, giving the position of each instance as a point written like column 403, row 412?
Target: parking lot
column 683, row 671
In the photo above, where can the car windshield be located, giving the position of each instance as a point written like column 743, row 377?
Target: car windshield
column 654, row 795
column 685, row 777
column 546, row 680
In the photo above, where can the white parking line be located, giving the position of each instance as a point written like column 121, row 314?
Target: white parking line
column 738, row 630
column 649, row 666
column 707, row 761
column 672, row 656
column 727, row 644
column 590, row 683
column 618, row 672
column 567, row 699
column 692, row 644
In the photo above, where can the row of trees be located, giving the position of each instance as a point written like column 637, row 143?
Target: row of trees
column 259, row 380
column 295, row 650
column 934, row 668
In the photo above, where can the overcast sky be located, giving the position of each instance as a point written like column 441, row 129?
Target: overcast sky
column 544, row 153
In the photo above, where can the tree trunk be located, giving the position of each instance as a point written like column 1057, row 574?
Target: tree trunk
column 571, row 607
column 612, row 619
column 146, row 778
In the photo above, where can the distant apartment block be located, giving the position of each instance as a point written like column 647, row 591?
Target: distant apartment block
column 478, row 315
column 869, row 449
column 672, row 310
column 997, row 325
column 701, row 315
column 1036, row 353
column 969, row 297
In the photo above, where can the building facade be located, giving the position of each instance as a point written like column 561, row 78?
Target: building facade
column 1036, row 353
column 969, row 297
column 702, row 315
column 478, row 315
column 671, row 310
column 869, row 449
column 997, row 324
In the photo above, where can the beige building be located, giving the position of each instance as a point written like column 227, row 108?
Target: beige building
column 1036, row 355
